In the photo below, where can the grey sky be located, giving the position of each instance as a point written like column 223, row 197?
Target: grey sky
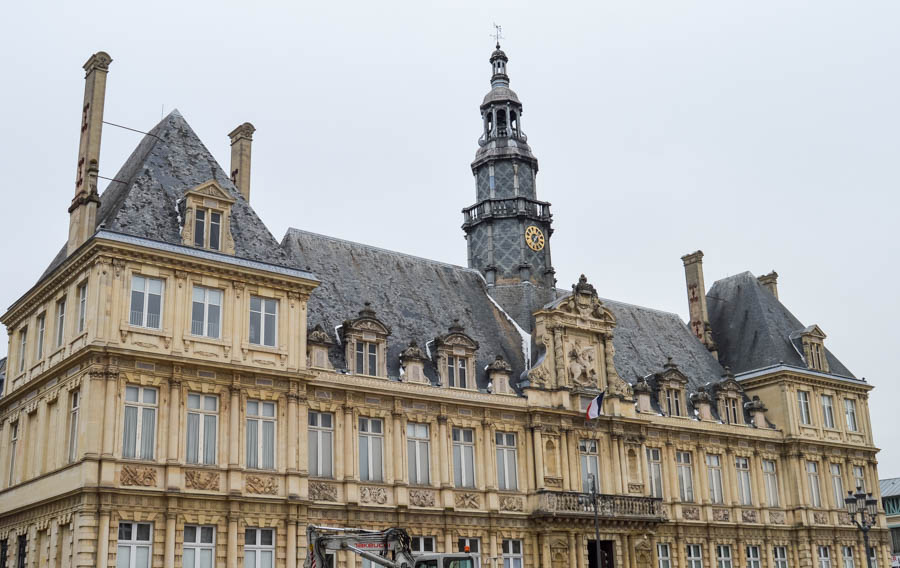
column 763, row 133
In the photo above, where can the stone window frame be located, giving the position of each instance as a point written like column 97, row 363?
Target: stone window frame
column 812, row 341
column 730, row 402
column 208, row 196
column 456, row 344
column 366, row 328
column 672, row 380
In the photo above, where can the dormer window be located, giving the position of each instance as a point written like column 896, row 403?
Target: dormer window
column 207, row 212
column 812, row 342
column 365, row 339
column 731, row 399
column 673, row 402
column 456, row 357
column 671, row 384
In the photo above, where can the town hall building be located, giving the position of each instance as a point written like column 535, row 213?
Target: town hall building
column 182, row 389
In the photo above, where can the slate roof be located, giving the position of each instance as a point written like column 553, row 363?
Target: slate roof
column 417, row 298
column 167, row 162
column 753, row 329
column 889, row 487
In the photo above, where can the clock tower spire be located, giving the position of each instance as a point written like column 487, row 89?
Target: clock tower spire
column 508, row 229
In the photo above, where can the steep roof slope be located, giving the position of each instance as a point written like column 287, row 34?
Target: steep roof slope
column 417, row 298
column 143, row 200
column 752, row 328
column 889, row 487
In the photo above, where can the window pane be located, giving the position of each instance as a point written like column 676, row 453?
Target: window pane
column 190, row 533
column 209, row 440
column 124, row 531
column 150, row 396
column 266, row 559
column 424, row 474
column 269, row 338
column 252, row 408
column 325, row 467
column 313, row 445
column 470, row 466
column 189, row 559
column 266, row 537
column 364, row 458
column 197, row 318
column 457, row 465
column 249, row 559
column 123, row 557
column 214, row 231
column 255, row 325
column 199, row 221
column 268, row 409
column 154, row 303
column 137, row 308
column 193, row 401
column 129, row 437
column 193, row 440
column 131, row 394
column 268, row 445
column 250, row 536
column 252, row 444
column 213, row 318
column 376, row 458
column 143, row 532
column 148, row 434
column 206, row 558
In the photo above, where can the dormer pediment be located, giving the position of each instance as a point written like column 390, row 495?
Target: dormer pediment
column 211, row 190
column 366, row 322
column 672, row 376
column 456, row 338
column 813, row 331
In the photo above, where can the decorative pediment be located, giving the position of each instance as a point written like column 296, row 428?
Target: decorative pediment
column 585, row 303
column 729, row 385
column 413, row 353
column 456, row 337
column 672, row 374
column 813, row 331
column 211, row 190
column 318, row 336
column 366, row 322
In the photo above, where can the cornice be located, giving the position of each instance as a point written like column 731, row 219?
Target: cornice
column 750, row 379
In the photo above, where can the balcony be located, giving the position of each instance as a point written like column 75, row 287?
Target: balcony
column 618, row 507
column 513, row 207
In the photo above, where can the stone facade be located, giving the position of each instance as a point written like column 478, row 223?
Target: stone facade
column 178, row 386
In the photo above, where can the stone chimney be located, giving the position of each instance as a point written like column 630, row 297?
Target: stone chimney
column 770, row 282
column 696, row 292
column 241, row 139
column 83, row 210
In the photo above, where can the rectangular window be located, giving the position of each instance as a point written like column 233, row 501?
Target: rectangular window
column 202, row 428
column 421, row 544
column 770, row 477
column 685, row 476
column 199, row 227
column 206, row 312
column 321, row 444
column 673, row 402
column 41, row 325
column 367, row 358
column 260, row 434
column 199, row 546
column 23, row 348
column 895, row 538
column 146, row 302
column 472, row 546
column 74, row 405
column 837, row 484
column 732, row 415
column 859, row 477
column 259, row 548
column 463, row 457
column 135, row 545
column 13, row 443
column 753, row 560
column 456, row 372
column 847, row 556
column 82, row 306
column 655, row 465
column 824, row 557
column 780, row 555
column 22, row 553
column 512, row 553
column 723, row 556
column 873, row 556
column 850, row 414
column 812, row 476
column 60, row 322
column 418, row 450
column 714, row 473
column 590, row 472
column 663, row 556
column 139, row 435
column 803, row 403
column 263, row 321
column 507, row 463
column 215, row 229
column 371, row 449
column 828, row 410
column 694, row 556
column 742, row 467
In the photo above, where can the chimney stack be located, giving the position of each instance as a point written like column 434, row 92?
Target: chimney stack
column 83, row 210
column 241, row 139
column 770, row 282
column 696, row 292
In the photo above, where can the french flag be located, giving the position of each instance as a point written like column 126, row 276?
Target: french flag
column 595, row 408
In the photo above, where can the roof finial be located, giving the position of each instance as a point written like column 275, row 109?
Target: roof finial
column 498, row 34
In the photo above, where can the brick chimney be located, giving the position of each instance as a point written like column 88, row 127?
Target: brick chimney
column 241, row 139
column 770, row 282
column 696, row 292
column 83, row 210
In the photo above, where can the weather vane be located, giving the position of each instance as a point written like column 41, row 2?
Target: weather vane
column 498, row 34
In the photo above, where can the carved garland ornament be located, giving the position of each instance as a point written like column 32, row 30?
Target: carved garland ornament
column 139, row 476
column 204, row 480
column 261, row 484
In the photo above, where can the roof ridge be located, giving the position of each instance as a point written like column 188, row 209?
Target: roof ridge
column 294, row 230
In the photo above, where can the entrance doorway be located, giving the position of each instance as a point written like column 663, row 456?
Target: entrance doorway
column 606, row 554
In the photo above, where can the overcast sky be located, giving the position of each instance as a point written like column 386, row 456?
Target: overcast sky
column 763, row 133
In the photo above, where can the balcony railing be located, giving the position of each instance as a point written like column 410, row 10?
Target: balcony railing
column 565, row 503
column 513, row 207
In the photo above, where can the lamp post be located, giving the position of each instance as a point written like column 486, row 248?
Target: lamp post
column 863, row 505
column 594, row 499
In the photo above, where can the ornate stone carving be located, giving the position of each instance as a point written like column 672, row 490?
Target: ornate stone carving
column 467, row 501
column 721, row 515
column 375, row 495
column 318, row 336
column 136, row 475
column 635, row 487
column 262, row 484
column 510, row 503
column 319, row 491
column 421, row 498
column 690, row 513
column 820, row 518
column 553, row 482
column 749, row 516
column 582, row 366
column 844, row 518
column 205, row 480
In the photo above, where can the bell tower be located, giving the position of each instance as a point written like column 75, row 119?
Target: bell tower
column 508, row 229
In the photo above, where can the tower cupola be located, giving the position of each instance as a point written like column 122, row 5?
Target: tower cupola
column 498, row 62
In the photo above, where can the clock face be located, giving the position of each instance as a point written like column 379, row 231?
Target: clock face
column 534, row 237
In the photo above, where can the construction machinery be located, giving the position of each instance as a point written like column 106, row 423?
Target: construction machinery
column 389, row 548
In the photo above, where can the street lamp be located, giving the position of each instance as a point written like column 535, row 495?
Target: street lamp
column 593, row 498
column 866, row 507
